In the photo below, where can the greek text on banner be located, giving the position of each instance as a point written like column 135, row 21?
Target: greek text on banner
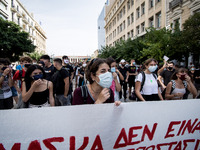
column 134, row 126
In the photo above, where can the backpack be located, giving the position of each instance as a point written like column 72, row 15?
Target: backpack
column 84, row 93
column 174, row 85
column 144, row 78
column 133, row 94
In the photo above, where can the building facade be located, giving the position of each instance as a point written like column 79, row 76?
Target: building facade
column 129, row 18
column 178, row 11
column 101, row 30
column 13, row 10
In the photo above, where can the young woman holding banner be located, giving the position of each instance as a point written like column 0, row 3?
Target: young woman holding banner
column 98, row 90
column 146, row 85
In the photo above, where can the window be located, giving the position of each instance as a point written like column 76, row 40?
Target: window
column 128, row 5
column 121, row 27
column 151, row 3
column 131, row 33
column 120, row 14
column 151, row 22
column 18, row 19
column 177, row 23
column 124, row 25
column 138, row 12
column 128, row 20
column 128, row 35
column 143, row 27
column 132, row 2
column 138, row 29
column 132, row 18
column 124, row 10
column 158, row 20
column 158, row 1
column 143, row 8
column 12, row 16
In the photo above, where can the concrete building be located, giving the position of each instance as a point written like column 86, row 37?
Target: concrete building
column 13, row 10
column 95, row 54
column 101, row 29
column 178, row 11
column 129, row 18
column 76, row 59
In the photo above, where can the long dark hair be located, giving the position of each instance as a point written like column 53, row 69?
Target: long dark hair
column 29, row 71
column 174, row 77
column 93, row 67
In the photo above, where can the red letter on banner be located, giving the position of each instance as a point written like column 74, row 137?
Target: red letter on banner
column 148, row 133
column 131, row 135
column 97, row 145
column 123, row 136
column 170, row 129
column 34, row 145
column 47, row 142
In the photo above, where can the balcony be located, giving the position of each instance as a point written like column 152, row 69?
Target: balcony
column 19, row 14
column 175, row 3
column 14, row 8
column 25, row 20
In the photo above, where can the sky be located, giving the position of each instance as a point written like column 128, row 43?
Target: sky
column 70, row 25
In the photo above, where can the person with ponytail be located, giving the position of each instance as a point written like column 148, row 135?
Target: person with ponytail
column 146, row 85
column 36, row 90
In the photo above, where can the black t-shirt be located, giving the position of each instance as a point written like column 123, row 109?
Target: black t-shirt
column 197, row 74
column 166, row 74
column 132, row 69
column 69, row 68
column 123, row 71
column 49, row 72
column 58, row 81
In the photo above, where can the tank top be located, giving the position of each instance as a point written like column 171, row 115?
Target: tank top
column 39, row 98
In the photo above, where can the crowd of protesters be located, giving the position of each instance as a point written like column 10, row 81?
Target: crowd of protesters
column 62, row 83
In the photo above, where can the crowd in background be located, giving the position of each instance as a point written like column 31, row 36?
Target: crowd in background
column 33, row 84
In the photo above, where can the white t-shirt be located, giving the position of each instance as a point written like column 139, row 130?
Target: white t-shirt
column 150, row 85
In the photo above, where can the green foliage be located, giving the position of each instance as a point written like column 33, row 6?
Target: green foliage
column 35, row 55
column 13, row 42
column 156, row 43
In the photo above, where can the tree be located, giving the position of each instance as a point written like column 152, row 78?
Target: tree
column 13, row 41
column 191, row 35
column 35, row 55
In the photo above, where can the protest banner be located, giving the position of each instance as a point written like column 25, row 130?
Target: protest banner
column 161, row 125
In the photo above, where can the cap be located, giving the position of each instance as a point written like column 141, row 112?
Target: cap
column 122, row 61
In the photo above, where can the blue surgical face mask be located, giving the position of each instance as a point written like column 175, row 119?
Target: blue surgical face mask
column 133, row 63
column 38, row 76
column 113, row 69
column 192, row 69
column 105, row 80
column 152, row 68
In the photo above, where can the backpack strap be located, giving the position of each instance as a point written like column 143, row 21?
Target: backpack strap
column 155, row 76
column 143, row 80
column 185, row 84
column 84, row 93
column 173, row 85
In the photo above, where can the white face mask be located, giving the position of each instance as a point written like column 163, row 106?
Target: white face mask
column 66, row 61
column 152, row 68
column 105, row 80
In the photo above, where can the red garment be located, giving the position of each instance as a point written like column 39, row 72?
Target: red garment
column 17, row 76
